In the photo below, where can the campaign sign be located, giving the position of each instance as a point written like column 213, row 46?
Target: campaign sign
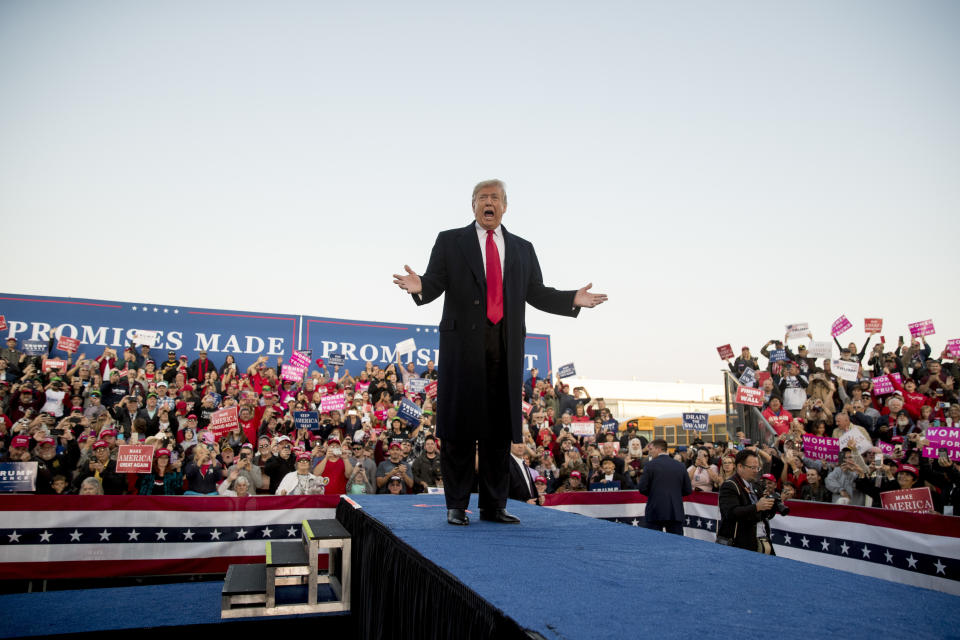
column 821, row 448
column 953, row 347
column 334, row 402
column 54, row 364
column 306, row 420
column 611, row 485
column 778, row 355
column 748, row 379
column 798, row 330
column 912, row 500
column 886, row 448
column 943, row 436
column 335, row 360
column 726, row 352
column 610, row 425
column 68, row 344
column 853, row 437
column 135, row 458
column 223, row 421
column 405, row 347
column 582, row 428
column 18, row 477
column 3, row 323
column 300, row 360
column 762, row 376
column 566, row 371
column 747, row 395
column 922, row 328
column 409, row 412
column 820, row 349
column 417, row 385
column 845, row 369
column 695, row 421
column 882, row 385
column 291, row 372
column 431, row 389
column 933, row 451
column 525, row 408
column 872, row 325
column 143, row 336
column 34, row 347
column 840, row 325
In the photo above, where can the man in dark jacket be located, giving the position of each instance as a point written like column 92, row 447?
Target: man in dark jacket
column 200, row 367
column 741, row 511
column 664, row 481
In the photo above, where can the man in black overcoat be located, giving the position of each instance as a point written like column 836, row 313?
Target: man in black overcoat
column 488, row 275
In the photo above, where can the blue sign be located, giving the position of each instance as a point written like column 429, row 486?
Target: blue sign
column 695, row 421
column 18, row 476
column 612, row 485
column 335, row 360
column 748, row 379
column 778, row 355
column 245, row 335
column 566, row 371
column 409, row 412
column 34, row 347
column 307, row 419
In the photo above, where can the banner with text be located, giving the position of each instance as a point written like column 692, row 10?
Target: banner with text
column 839, row 326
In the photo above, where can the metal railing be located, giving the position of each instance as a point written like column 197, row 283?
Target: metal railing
column 745, row 418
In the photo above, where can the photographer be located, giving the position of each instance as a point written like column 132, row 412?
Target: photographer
column 744, row 517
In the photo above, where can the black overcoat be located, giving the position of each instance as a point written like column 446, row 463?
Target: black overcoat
column 456, row 268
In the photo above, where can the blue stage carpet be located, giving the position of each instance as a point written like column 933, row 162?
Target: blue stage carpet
column 563, row 575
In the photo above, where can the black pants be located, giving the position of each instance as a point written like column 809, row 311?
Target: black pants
column 485, row 456
column 670, row 526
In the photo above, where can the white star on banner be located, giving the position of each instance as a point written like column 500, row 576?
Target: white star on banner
column 104, row 535
column 291, row 532
column 911, row 562
column 865, row 551
column 215, row 535
column 710, row 525
column 635, row 522
column 941, row 568
column 14, row 537
column 75, row 536
column 699, row 523
column 786, row 538
column 805, row 542
column 188, row 535
column 241, row 534
column 688, row 521
column 45, row 536
column 825, row 545
column 134, row 535
column 162, row 535
column 267, row 532
column 844, row 548
column 889, row 556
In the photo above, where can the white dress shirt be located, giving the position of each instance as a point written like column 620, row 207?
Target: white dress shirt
column 497, row 240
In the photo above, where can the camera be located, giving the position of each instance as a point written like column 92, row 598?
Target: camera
column 778, row 507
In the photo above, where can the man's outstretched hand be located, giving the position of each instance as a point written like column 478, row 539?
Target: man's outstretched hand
column 411, row 282
column 583, row 298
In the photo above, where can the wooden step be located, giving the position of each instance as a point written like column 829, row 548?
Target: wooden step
column 324, row 530
column 286, row 554
column 245, row 579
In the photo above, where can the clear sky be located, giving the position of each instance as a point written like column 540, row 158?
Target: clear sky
column 719, row 169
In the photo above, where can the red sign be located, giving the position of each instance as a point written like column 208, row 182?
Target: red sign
column 3, row 323
column 726, row 352
column 54, row 364
column 135, row 458
column 761, row 376
column 912, row 500
column 224, row 421
column 431, row 389
column 526, row 407
column 68, row 344
column 873, row 325
column 747, row 395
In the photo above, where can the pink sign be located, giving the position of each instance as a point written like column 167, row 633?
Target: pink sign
column 953, row 347
column 747, row 395
column 726, row 352
column 291, row 372
column 885, row 448
column 933, row 451
column 68, row 344
column 135, row 458
column 333, row 402
column 300, row 360
column 872, row 325
column 912, row 500
column 840, row 325
column 821, row 448
column 882, row 385
column 922, row 328
column 224, row 421
column 361, row 386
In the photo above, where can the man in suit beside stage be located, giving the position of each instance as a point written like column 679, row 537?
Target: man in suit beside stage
column 664, row 481
column 522, row 485
column 488, row 275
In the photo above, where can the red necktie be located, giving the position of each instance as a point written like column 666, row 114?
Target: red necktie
column 494, row 281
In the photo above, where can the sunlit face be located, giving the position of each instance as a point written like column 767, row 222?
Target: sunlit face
column 489, row 205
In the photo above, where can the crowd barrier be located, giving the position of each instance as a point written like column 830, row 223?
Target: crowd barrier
column 917, row 549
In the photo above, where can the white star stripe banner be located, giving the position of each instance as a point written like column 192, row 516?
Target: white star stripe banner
column 109, row 536
column 917, row 549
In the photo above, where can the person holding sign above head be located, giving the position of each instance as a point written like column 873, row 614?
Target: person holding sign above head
column 488, row 275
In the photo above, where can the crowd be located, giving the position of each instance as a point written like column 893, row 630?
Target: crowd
column 72, row 422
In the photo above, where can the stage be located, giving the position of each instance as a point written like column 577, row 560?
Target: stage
column 563, row 575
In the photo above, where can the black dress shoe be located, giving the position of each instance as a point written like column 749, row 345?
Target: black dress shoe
column 498, row 515
column 457, row 516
